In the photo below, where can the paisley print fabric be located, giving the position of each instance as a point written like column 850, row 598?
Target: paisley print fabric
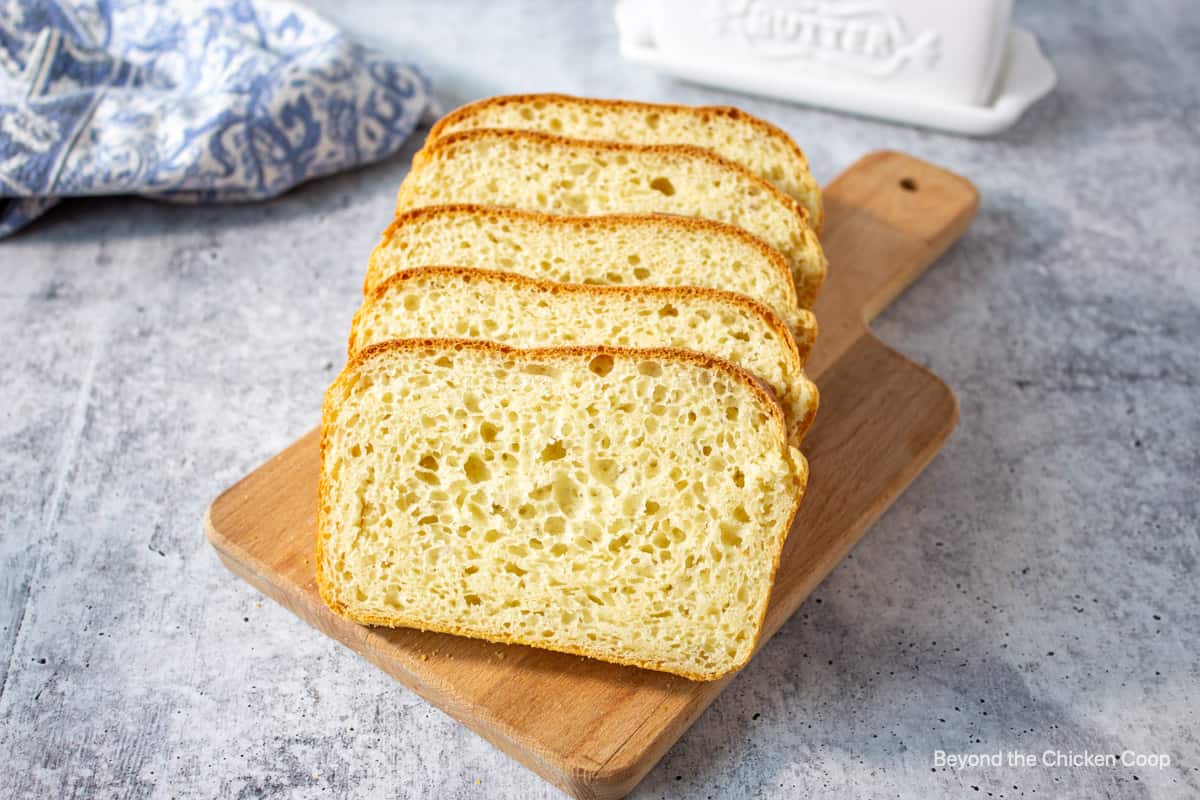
column 187, row 101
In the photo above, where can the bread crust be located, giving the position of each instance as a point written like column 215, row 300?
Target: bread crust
column 731, row 371
column 610, row 221
column 444, row 147
column 438, row 148
column 799, row 426
column 799, row 354
column 702, row 113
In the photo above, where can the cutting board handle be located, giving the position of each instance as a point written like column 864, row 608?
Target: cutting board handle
column 891, row 216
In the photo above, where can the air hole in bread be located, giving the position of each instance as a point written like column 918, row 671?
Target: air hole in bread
column 663, row 185
column 566, row 495
column 476, row 471
column 552, row 452
column 604, row 470
column 729, row 536
column 601, row 365
column 539, row 369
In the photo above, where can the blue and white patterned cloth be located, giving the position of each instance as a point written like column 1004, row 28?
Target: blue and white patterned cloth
column 187, row 101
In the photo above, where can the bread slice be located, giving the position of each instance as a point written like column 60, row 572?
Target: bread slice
column 628, row 505
column 455, row 302
column 539, row 172
column 631, row 249
column 754, row 143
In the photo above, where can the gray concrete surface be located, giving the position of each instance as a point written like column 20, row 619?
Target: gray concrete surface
column 1034, row 590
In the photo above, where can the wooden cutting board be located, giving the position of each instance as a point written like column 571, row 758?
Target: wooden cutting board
column 595, row 729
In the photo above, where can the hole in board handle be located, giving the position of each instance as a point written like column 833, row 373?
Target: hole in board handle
column 908, row 184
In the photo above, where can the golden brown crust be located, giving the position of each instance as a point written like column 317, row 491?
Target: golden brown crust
column 705, row 360
column 814, row 280
column 808, row 329
column 609, row 221
column 703, row 113
column 444, row 145
column 444, row 148
column 731, row 371
column 477, row 275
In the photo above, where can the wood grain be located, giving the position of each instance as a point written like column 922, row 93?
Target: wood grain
column 595, row 729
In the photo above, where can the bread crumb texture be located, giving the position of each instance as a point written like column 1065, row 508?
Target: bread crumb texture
column 540, row 172
column 448, row 302
column 617, row 250
column 761, row 147
column 625, row 505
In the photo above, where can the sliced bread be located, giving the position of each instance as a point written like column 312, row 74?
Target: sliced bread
column 628, row 505
column 539, row 172
column 629, row 249
column 754, row 143
column 456, row 302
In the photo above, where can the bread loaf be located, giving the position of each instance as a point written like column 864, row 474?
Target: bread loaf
column 540, row 172
column 621, row 504
column 455, row 302
column 757, row 145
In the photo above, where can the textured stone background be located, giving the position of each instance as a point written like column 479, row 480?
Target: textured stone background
column 1036, row 587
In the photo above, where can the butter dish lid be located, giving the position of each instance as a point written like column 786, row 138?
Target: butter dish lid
column 939, row 64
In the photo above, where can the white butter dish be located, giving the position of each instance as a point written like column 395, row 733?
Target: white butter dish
column 954, row 65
